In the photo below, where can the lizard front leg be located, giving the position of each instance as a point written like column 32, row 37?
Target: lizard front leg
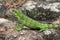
column 19, row 25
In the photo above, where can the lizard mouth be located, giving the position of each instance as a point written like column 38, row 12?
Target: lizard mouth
column 14, row 3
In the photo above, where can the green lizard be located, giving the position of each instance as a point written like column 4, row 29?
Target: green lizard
column 23, row 20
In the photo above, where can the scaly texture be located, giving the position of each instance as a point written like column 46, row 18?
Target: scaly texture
column 26, row 21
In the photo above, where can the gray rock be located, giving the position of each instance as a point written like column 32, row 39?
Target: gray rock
column 4, row 23
column 11, row 34
column 25, row 35
column 52, row 34
column 29, row 5
column 41, row 10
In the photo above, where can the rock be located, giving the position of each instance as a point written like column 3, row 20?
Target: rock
column 11, row 34
column 5, row 13
column 52, row 6
column 25, row 35
column 3, row 8
column 1, row 0
column 5, row 25
column 42, row 10
column 52, row 34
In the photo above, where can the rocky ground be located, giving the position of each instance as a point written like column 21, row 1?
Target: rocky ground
column 51, row 9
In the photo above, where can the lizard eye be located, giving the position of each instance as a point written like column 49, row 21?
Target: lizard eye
column 14, row 11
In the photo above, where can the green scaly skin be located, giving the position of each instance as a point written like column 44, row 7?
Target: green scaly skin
column 26, row 21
